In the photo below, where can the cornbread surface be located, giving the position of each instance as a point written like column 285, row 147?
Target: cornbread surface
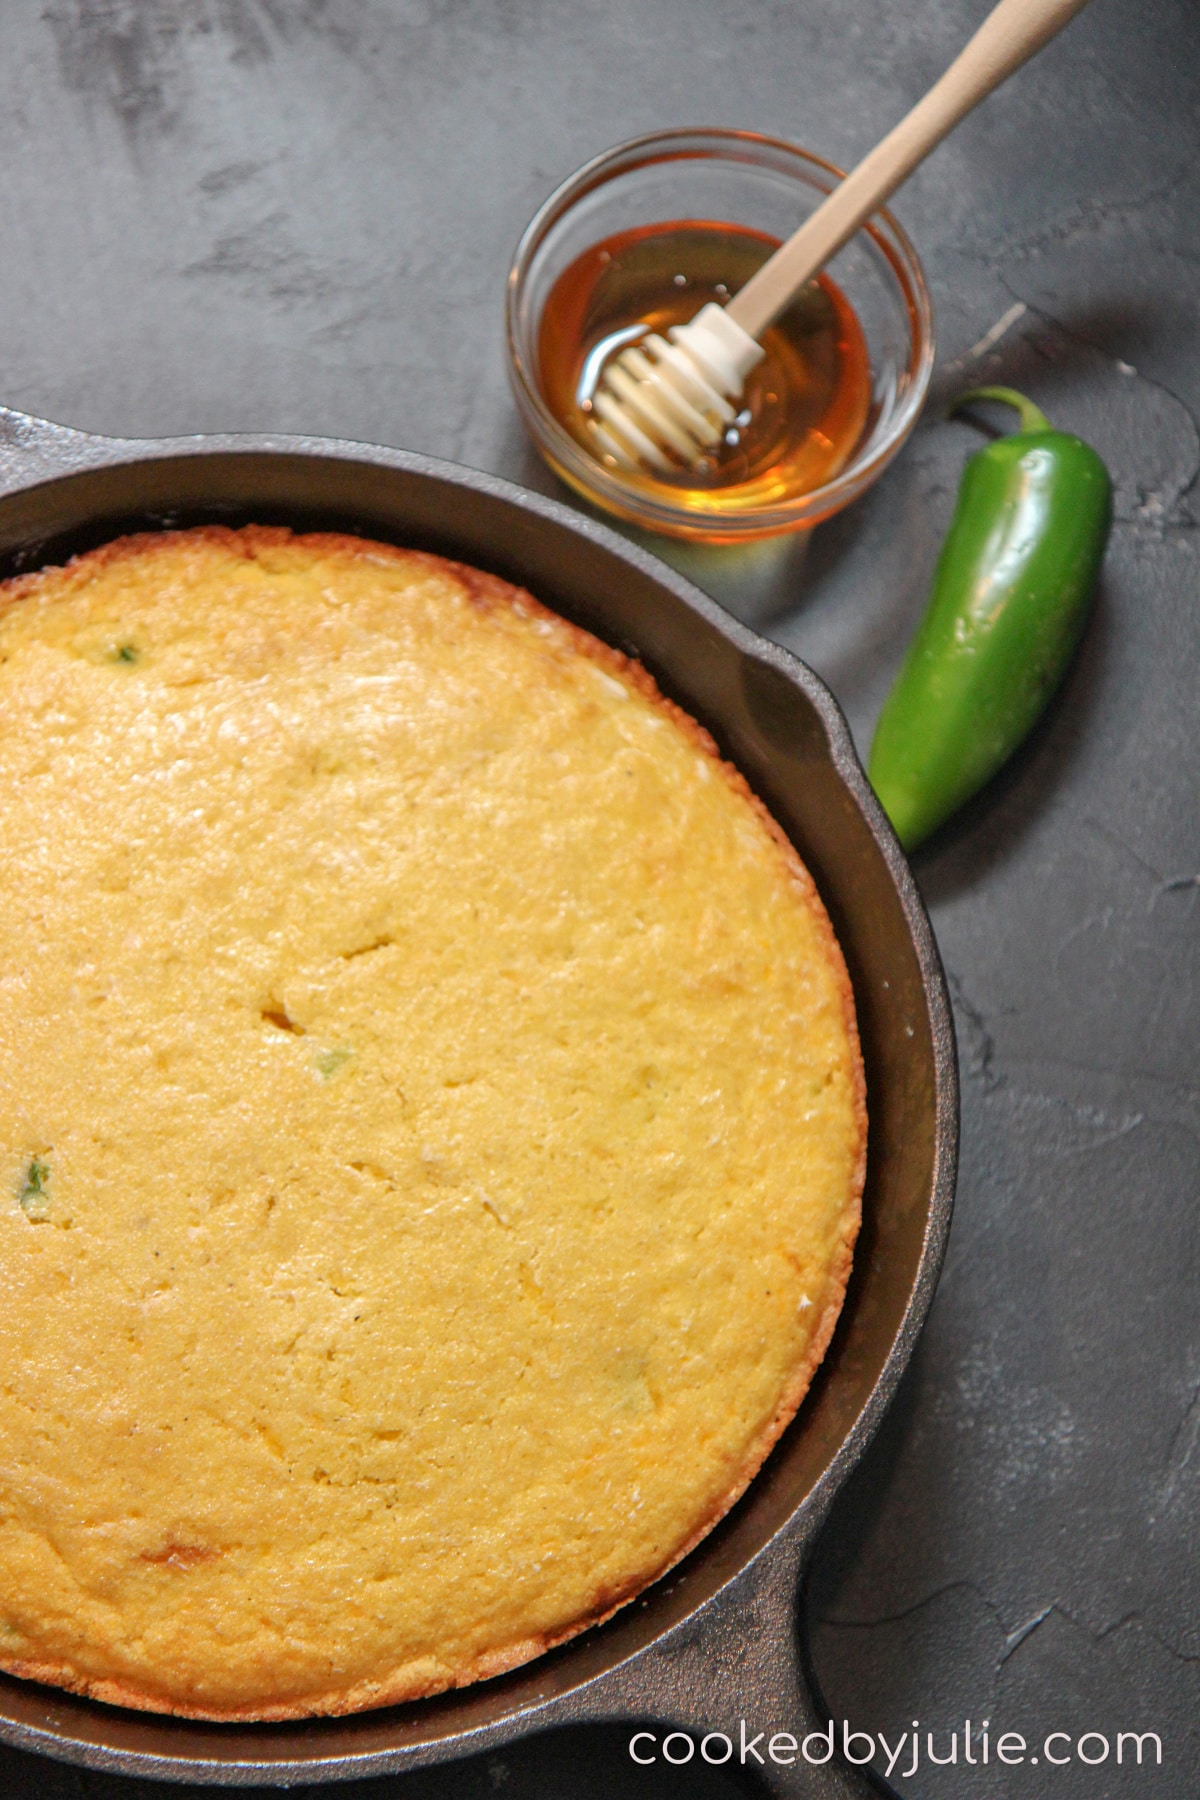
column 431, row 1126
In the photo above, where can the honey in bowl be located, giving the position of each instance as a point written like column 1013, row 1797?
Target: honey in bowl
column 804, row 408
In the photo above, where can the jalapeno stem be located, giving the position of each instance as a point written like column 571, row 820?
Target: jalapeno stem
column 1032, row 417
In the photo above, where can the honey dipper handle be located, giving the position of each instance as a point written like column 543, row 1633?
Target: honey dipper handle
column 1008, row 37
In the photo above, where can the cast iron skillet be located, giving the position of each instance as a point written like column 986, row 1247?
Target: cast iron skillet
column 717, row 1640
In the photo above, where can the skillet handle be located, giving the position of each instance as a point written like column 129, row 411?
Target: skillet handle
column 33, row 450
column 735, row 1680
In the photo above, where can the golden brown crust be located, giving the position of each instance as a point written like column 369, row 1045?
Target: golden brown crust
column 489, row 593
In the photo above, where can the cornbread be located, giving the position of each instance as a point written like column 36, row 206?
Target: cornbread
column 431, row 1126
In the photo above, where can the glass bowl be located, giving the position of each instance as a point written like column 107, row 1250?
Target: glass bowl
column 771, row 187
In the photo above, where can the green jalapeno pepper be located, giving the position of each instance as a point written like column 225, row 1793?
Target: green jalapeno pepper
column 1009, row 602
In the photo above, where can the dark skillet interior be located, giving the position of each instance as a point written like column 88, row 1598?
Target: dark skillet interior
column 773, row 719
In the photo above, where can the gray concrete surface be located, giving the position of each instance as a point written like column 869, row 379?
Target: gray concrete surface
column 297, row 215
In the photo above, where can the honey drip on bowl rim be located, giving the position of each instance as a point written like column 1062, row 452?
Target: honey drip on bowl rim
column 804, row 408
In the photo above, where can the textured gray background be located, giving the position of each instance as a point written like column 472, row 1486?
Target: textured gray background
column 297, row 215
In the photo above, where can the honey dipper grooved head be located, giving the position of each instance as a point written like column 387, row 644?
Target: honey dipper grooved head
column 663, row 403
